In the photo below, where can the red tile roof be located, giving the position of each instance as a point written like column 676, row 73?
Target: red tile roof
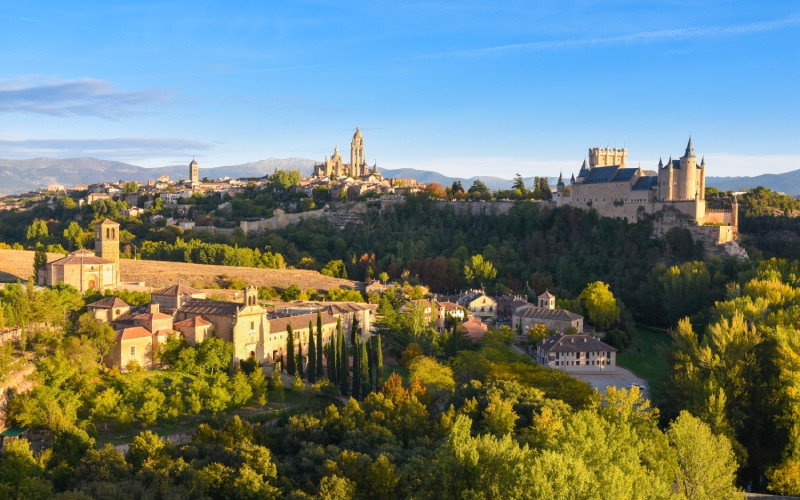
column 193, row 322
column 134, row 332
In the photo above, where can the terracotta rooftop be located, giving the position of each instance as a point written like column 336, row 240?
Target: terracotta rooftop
column 178, row 288
column 108, row 303
column 211, row 307
column 81, row 256
column 193, row 322
column 134, row 332
column 544, row 313
column 574, row 343
column 151, row 316
column 300, row 321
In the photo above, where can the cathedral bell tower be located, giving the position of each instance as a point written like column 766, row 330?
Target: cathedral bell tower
column 357, row 161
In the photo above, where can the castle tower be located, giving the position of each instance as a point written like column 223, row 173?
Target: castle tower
column 702, row 180
column 106, row 243
column 194, row 172
column 357, row 160
column 607, row 157
column 687, row 180
column 666, row 176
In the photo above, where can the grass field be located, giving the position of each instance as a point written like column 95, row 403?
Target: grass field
column 648, row 357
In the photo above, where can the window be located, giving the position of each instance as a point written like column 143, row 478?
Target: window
column 133, row 351
column 252, row 325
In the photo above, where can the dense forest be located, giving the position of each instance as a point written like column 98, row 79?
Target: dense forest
column 469, row 420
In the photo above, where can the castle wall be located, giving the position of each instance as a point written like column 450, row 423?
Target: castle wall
column 279, row 220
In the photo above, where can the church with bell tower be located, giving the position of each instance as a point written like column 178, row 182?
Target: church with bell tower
column 335, row 166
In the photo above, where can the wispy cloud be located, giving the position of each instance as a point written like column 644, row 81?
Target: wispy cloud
column 127, row 148
column 695, row 32
column 82, row 97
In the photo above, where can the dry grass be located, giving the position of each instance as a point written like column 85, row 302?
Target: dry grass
column 17, row 265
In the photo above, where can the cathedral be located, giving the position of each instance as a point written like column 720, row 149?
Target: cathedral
column 335, row 166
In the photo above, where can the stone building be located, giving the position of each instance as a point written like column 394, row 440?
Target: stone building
column 335, row 166
column 108, row 309
column 576, row 353
column 545, row 313
column 86, row 270
column 613, row 189
column 194, row 172
column 243, row 324
column 478, row 304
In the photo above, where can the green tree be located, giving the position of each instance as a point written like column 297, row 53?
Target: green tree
column 378, row 361
column 344, row 361
column 37, row 231
column 277, row 383
column 479, row 271
column 240, row 389
column 290, row 293
column 39, row 261
column 319, row 345
column 291, row 361
column 258, row 384
column 600, row 305
column 311, row 371
column 706, row 466
column 214, row 354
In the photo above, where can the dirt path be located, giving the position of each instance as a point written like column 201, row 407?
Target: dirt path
column 17, row 265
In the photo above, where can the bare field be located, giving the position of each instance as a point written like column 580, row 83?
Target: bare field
column 17, row 265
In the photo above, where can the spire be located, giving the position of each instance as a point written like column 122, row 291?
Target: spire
column 689, row 149
column 584, row 169
column 660, row 163
column 703, row 161
column 572, row 179
column 560, row 180
column 358, row 132
column 669, row 162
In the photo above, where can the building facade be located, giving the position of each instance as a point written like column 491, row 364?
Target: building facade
column 86, row 270
column 545, row 313
column 576, row 353
column 335, row 166
column 613, row 189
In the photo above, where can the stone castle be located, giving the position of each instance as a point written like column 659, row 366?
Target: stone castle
column 335, row 166
column 674, row 193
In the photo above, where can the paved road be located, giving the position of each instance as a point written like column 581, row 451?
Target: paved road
column 622, row 378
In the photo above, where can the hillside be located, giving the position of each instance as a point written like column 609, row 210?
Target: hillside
column 788, row 182
column 17, row 265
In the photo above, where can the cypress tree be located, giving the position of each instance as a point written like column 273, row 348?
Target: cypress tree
column 291, row 361
column 319, row 344
column 354, row 330
column 300, row 358
column 371, row 379
column 312, row 355
column 39, row 261
column 378, row 363
column 363, row 359
column 344, row 371
column 332, row 360
column 357, row 368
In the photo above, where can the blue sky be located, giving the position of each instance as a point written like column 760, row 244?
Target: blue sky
column 463, row 87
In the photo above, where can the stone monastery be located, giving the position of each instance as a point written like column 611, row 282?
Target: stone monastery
column 674, row 193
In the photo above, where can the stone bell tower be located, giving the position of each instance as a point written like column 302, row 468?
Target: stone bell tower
column 106, row 243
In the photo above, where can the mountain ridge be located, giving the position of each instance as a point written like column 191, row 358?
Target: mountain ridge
column 19, row 176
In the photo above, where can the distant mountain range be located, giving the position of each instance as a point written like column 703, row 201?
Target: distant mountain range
column 18, row 176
